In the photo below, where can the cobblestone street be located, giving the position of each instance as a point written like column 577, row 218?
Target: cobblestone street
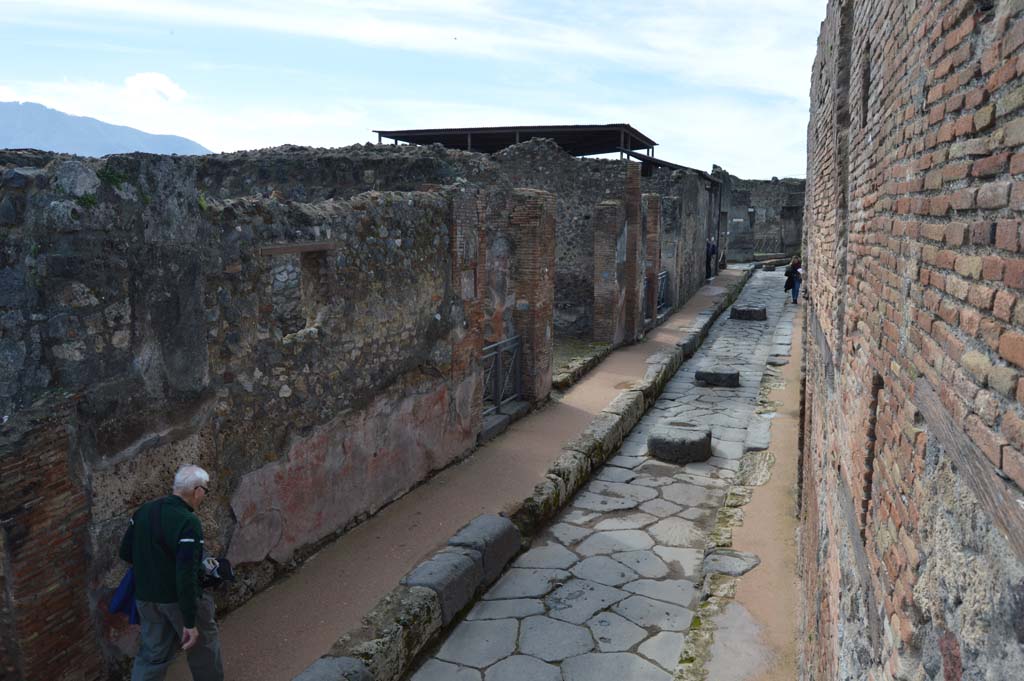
column 608, row 591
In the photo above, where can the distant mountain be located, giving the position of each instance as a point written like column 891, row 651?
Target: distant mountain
column 34, row 126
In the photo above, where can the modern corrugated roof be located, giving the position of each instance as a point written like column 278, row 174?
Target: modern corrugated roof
column 578, row 140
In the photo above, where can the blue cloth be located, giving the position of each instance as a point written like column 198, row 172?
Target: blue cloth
column 123, row 599
column 796, row 289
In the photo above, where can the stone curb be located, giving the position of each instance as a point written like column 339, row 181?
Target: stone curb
column 564, row 380
column 606, row 431
column 411, row 617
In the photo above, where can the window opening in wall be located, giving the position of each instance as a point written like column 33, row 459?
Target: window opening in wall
column 877, row 386
column 299, row 286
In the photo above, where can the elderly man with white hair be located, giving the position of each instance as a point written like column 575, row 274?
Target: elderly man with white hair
column 164, row 544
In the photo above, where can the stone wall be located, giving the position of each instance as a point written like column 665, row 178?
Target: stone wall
column 912, row 468
column 766, row 217
column 164, row 310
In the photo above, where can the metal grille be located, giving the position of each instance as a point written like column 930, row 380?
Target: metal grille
column 662, row 291
column 501, row 374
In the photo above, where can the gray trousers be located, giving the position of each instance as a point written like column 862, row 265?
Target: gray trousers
column 162, row 624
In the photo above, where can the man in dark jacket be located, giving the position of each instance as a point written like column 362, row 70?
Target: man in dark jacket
column 164, row 544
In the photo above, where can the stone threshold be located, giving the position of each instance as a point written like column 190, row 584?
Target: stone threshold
column 415, row 615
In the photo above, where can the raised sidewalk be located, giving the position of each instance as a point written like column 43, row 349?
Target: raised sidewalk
column 282, row 630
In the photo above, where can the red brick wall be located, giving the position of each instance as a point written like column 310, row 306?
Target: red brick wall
column 912, row 250
column 43, row 515
column 652, row 253
column 533, row 222
column 610, row 290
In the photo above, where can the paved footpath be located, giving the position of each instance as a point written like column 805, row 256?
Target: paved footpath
column 607, row 592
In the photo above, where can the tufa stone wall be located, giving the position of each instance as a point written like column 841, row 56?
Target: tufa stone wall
column 912, row 499
column 319, row 357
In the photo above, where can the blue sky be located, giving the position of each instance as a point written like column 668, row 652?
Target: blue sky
column 713, row 81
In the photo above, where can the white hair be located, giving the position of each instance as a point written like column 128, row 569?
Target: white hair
column 189, row 477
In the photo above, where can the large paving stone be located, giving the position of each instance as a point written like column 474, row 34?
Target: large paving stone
column 480, row 644
column 720, row 377
column 551, row 556
column 621, row 490
column 679, row 442
column 614, row 541
column 614, row 474
column 453, row 576
column 648, row 612
column 580, row 599
column 604, row 570
column 552, row 640
column 602, row 504
column 523, row 668
column 611, row 667
column 495, row 537
column 645, row 563
column 614, row 633
column 686, row 494
column 338, row 669
column 436, row 670
column 678, row 532
column 677, row 591
column 526, row 583
column 682, row 562
column 500, row 610
column 660, row 507
column 569, row 534
column 664, row 649
column 629, row 521
column 730, row 562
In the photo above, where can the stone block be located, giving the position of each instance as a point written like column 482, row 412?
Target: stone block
column 493, row 426
column 453, row 577
column 756, row 313
column 722, row 378
column 689, row 344
column 679, row 442
column 495, row 537
column 335, row 669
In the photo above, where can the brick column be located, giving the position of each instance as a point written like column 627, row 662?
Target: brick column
column 532, row 221
column 468, row 260
column 634, row 259
column 46, row 632
column 652, row 253
column 609, row 272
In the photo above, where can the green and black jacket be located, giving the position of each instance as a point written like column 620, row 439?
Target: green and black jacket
column 164, row 543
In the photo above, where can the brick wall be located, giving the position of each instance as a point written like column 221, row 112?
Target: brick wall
column 912, row 240
column 48, row 631
column 610, row 283
column 533, row 221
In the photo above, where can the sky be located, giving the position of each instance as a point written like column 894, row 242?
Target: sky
column 721, row 82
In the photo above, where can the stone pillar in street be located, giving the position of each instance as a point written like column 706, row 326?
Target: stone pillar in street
column 533, row 222
column 609, row 272
column 652, row 259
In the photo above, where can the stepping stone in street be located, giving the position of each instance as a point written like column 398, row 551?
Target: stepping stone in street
column 552, row 640
column 680, row 442
column 614, row 633
column 719, row 377
column 612, row 667
column 754, row 313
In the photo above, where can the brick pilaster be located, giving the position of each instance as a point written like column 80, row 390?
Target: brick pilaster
column 609, row 272
column 532, row 221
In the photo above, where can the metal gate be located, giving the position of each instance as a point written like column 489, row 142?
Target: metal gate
column 502, row 382
column 662, row 292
